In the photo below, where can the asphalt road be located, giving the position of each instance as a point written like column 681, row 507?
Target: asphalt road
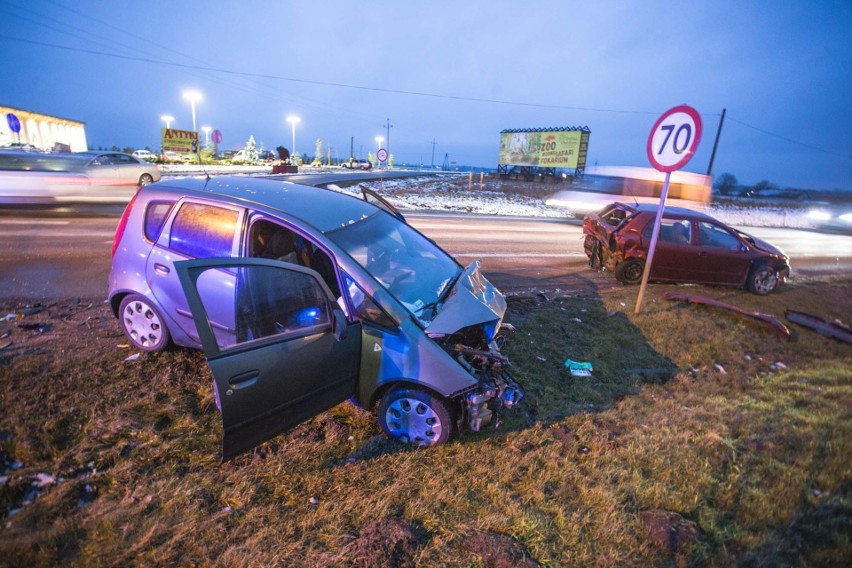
column 43, row 257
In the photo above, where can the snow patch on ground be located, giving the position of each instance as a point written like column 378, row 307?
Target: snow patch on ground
column 445, row 194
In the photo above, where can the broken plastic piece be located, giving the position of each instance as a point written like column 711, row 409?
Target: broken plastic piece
column 834, row 329
column 579, row 369
column 766, row 318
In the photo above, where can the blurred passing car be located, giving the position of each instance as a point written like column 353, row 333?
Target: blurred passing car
column 836, row 218
column 33, row 178
column 692, row 247
column 304, row 297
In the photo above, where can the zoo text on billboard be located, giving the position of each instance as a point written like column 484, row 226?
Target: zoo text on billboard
column 550, row 149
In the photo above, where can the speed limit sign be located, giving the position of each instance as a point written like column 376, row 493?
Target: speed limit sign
column 674, row 138
column 382, row 155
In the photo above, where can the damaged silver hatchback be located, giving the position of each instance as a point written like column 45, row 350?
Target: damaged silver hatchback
column 302, row 298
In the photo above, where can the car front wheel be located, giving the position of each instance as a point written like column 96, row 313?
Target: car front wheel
column 145, row 179
column 142, row 324
column 762, row 280
column 415, row 416
column 630, row 271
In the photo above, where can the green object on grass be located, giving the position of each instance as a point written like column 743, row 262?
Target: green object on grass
column 579, row 369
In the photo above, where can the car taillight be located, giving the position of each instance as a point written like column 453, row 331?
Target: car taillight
column 122, row 223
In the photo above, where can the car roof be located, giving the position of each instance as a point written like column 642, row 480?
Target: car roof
column 670, row 210
column 323, row 208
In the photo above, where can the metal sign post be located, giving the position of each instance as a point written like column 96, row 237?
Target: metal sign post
column 670, row 146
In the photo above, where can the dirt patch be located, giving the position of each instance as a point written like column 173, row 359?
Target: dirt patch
column 386, row 542
column 668, row 530
column 498, row 551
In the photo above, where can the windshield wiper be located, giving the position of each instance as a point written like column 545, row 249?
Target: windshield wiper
column 442, row 293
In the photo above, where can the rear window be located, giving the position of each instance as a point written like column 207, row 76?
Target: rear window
column 203, row 231
column 155, row 217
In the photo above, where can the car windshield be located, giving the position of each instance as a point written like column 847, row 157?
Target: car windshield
column 407, row 264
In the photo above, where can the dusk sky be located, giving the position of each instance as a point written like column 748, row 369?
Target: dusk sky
column 455, row 72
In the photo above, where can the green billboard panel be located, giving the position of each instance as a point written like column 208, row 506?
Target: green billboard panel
column 546, row 149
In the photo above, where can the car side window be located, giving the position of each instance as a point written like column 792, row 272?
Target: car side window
column 365, row 307
column 272, row 240
column 155, row 217
column 717, row 237
column 272, row 301
column 203, row 231
column 675, row 231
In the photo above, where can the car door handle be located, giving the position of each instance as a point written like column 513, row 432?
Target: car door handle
column 244, row 380
column 161, row 269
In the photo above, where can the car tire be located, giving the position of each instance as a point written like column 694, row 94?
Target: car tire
column 145, row 179
column 630, row 271
column 415, row 416
column 762, row 280
column 143, row 324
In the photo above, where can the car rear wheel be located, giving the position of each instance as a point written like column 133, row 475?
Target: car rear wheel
column 415, row 416
column 630, row 271
column 145, row 179
column 142, row 324
column 762, row 280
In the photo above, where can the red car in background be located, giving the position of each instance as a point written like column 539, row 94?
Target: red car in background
column 692, row 247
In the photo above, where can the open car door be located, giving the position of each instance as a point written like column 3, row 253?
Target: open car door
column 290, row 354
column 371, row 196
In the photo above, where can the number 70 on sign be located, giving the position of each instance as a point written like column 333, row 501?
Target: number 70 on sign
column 674, row 138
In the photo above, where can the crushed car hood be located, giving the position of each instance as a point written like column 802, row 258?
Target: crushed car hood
column 473, row 300
column 764, row 246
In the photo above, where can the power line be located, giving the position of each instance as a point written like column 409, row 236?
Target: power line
column 800, row 143
column 326, row 83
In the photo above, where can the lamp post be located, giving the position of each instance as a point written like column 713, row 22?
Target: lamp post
column 192, row 97
column 206, row 130
column 168, row 120
column 293, row 119
column 379, row 140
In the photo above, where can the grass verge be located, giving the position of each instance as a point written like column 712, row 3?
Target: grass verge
column 701, row 438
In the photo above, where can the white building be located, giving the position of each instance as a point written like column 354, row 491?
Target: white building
column 42, row 131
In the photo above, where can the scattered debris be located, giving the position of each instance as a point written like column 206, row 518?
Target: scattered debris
column 133, row 357
column 313, row 501
column 578, row 320
column 834, row 330
column 721, row 369
column 5, row 345
column 778, row 365
column 39, row 327
column 579, row 369
column 583, row 450
column 767, row 318
column 540, row 358
column 44, row 480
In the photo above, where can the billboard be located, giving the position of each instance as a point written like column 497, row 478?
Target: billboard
column 556, row 148
column 175, row 140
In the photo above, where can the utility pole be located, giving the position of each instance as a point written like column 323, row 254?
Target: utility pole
column 716, row 143
column 388, row 126
column 433, row 152
column 351, row 146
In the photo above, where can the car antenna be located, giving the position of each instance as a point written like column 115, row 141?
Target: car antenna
column 201, row 162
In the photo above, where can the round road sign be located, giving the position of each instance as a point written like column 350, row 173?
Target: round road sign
column 674, row 138
column 14, row 123
column 216, row 136
column 382, row 155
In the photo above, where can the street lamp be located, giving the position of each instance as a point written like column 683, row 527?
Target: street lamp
column 168, row 120
column 379, row 140
column 192, row 97
column 206, row 130
column 293, row 119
